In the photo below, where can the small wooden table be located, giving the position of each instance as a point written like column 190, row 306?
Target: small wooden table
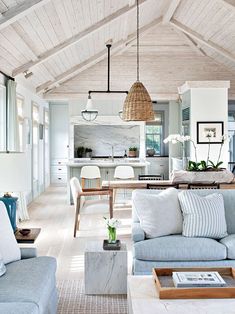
column 143, row 299
column 30, row 238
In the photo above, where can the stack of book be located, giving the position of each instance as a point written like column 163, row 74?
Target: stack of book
column 197, row 279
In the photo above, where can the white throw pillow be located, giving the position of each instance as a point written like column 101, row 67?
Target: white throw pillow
column 203, row 216
column 9, row 249
column 2, row 268
column 159, row 214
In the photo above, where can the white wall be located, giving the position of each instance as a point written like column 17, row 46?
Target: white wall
column 209, row 104
column 29, row 98
column 174, row 128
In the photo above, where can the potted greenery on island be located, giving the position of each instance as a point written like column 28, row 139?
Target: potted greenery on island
column 132, row 151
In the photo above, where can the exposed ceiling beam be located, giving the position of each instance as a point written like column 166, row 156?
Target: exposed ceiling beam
column 94, row 59
column 188, row 40
column 170, row 11
column 230, row 4
column 200, row 38
column 73, row 40
column 19, row 11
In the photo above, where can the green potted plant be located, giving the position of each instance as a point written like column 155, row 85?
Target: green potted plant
column 88, row 152
column 80, row 151
column 133, row 151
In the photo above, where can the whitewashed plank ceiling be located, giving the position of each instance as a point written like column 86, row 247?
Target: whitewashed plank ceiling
column 62, row 42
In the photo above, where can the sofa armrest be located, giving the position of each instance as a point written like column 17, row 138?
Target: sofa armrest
column 28, row 252
column 137, row 233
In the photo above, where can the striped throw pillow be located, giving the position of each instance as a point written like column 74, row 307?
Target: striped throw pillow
column 203, row 216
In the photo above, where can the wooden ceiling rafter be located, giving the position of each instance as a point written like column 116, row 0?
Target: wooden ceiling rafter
column 198, row 37
column 15, row 13
column 96, row 58
column 75, row 39
column 174, row 4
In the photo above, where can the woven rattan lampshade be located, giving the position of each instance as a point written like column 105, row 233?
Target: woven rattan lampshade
column 138, row 104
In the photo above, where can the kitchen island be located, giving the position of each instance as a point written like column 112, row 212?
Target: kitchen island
column 107, row 167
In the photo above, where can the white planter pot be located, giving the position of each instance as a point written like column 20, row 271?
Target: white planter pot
column 182, row 176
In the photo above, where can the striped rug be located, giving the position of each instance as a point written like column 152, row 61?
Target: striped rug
column 72, row 300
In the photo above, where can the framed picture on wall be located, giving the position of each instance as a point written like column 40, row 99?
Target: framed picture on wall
column 210, row 131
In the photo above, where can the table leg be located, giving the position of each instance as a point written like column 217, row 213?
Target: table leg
column 111, row 203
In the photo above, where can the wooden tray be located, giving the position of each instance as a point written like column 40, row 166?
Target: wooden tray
column 167, row 290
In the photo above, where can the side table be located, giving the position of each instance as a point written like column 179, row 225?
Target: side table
column 105, row 271
column 29, row 238
column 11, row 205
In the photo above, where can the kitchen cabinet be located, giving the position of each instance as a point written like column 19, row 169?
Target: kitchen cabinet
column 158, row 165
column 59, row 139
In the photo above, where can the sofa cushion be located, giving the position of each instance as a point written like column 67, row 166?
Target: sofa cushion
column 29, row 280
column 203, row 216
column 179, row 248
column 159, row 214
column 18, row 307
column 9, row 249
column 229, row 242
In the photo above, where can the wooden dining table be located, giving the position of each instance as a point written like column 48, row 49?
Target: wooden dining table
column 142, row 184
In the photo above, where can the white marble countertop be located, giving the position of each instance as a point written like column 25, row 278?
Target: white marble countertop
column 107, row 162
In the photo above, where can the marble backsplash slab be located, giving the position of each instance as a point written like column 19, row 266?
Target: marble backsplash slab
column 100, row 138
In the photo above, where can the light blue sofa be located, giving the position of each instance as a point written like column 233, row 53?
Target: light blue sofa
column 29, row 286
column 180, row 251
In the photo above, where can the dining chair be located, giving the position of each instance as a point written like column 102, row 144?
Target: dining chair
column 90, row 173
column 162, row 186
column 151, row 177
column 80, row 203
column 123, row 173
column 203, row 186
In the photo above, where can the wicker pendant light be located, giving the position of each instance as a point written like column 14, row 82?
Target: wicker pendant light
column 138, row 105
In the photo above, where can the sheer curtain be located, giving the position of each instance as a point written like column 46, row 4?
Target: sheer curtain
column 13, row 125
column 13, row 141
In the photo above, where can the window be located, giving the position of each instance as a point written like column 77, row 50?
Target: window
column 154, row 134
column 20, row 112
column 2, row 118
column 46, row 148
column 35, row 121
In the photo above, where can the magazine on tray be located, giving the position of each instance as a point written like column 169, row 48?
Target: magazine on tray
column 197, row 279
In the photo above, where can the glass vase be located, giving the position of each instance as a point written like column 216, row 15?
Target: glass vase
column 112, row 234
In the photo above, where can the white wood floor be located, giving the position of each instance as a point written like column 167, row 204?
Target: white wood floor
column 55, row 217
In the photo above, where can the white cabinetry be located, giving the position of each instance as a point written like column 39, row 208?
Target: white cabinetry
column 159, row 165
column 59, row 142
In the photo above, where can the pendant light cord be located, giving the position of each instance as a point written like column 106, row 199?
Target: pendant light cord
column 138, row 57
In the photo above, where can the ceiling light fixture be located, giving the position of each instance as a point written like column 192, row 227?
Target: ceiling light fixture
column 138, row 105
column 90, row 114
column 27, row 74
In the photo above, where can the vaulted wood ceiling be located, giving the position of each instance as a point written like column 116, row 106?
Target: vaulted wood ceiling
column 62, row 42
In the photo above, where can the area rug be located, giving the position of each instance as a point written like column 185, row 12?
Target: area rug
column 72, row 299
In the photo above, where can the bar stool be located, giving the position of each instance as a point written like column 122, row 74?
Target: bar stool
column 123, row 173
column 90, row 173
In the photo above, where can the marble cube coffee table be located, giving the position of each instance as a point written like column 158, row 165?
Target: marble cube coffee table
column 143, row 299
column 105, row 271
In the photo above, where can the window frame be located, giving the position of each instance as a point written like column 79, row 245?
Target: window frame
column 156, row 123
column 21, row 121
column 35, row 181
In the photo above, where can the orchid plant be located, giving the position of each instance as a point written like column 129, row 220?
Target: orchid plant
column 177, row 138
column 195, row 165
column 112, row 224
